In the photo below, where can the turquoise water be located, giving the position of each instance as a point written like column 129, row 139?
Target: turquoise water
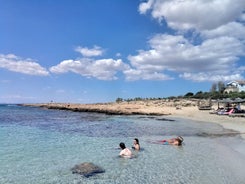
column 41, row 146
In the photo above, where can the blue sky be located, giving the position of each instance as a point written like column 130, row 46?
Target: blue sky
column 87, row 51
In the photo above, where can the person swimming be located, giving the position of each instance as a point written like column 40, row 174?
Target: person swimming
column 125, row 152
column 136, row 145
column 174, row 141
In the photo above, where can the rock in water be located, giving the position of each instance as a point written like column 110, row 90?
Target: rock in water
column 87, row 169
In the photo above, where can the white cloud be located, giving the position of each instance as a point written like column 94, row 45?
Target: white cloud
column 25, row 66
column 232, row 29
column 132, row 75
column 145, row 6
column 208, row 41
column 175, row 53
column 103, row 69
column 69, row 66
column 242, row 17
column 194, row 14
column 86, row 52
column 200, row 77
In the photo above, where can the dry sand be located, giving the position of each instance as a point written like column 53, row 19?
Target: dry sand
column 233, row 123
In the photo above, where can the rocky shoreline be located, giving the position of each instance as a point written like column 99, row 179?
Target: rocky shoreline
column 105, row 108
column 151, row 107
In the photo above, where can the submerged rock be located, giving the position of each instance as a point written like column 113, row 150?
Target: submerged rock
column 87, row 169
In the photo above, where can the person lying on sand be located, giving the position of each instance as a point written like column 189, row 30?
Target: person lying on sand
column 136, row 145
column 125, row 151
column 174, row 141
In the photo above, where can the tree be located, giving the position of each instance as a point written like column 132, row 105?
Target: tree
column 189, row 94
column 213, row 88
column 221, row 87
column 119, row 100
column 199, row 94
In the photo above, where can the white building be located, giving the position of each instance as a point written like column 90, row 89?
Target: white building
column 235, row 86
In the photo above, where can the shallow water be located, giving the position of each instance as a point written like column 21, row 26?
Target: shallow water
column 41, row 146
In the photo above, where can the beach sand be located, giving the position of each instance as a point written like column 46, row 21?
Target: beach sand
column 233, row 123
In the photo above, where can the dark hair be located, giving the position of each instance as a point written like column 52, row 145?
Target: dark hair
column 122, row 145
column 137, row 140
column 180, row 140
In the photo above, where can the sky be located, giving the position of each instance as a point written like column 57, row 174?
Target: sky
column 89, row 51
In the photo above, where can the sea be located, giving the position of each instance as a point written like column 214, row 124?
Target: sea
column 40, row 146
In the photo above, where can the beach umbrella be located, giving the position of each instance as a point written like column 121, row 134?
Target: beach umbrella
column 226, row 101
column 239, row 100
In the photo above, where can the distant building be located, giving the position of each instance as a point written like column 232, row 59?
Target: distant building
column 235, row 86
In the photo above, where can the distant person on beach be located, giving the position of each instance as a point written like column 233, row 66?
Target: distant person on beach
column 136, row 145
column 174, row 141
column 125, row 151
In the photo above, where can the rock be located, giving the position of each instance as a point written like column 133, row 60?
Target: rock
column 87, row 169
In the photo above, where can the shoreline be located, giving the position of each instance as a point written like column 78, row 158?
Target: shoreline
column 188, row 110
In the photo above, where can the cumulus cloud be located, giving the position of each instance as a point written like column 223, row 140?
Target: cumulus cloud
column 26, row 66
column 136, row 74
column 86, row 52
column 207, row 42
column 242, row 17
column 200, row 77
column 177, row 54
column 194, row 14
column 145, row 6
column 232, row 29
column 102, row 69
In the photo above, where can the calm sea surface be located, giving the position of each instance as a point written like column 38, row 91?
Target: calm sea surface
column 41, row 146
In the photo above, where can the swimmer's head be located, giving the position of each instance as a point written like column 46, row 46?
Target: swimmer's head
column 122, row 145
column 180, row 140
column 136, row 140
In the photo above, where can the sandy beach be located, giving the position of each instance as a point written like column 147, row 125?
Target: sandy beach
column 233, row 123
column 187, row 109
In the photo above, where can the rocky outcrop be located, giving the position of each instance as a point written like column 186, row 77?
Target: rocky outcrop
column 87, row 169
column 106, row 108
column 148, row 107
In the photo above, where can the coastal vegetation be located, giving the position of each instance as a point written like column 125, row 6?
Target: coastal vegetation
column 216, row 92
